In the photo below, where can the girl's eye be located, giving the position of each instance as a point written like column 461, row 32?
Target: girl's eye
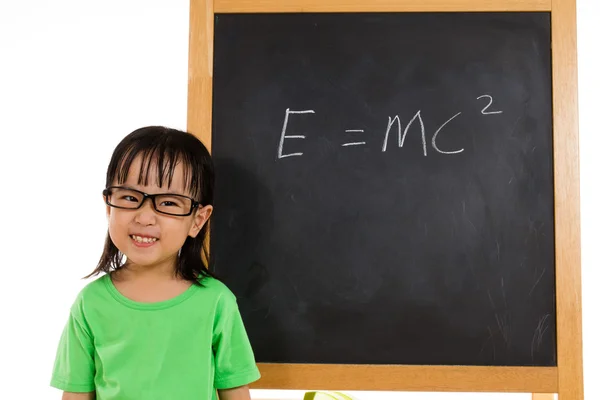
column 130, row 198
column 170, row 203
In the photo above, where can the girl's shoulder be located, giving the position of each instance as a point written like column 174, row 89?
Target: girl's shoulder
column 95, row 286
column 92, row 293
column 215, row 286
column 223, row 296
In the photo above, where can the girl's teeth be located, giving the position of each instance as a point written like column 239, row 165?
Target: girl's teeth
column 140, row 239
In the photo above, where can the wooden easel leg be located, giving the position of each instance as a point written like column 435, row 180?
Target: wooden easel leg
column 542, row 396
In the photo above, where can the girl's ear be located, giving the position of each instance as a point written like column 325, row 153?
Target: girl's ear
column 107, row 207
column 200, row 217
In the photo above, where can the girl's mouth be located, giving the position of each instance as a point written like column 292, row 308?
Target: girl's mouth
column 142, row 241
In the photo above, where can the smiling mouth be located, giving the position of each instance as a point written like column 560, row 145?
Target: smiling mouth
column 141, row 239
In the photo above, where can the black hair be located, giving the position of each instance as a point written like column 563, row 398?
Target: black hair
column 163, row 148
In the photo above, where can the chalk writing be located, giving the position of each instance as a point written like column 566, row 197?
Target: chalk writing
column 395, row 120
column 402, row 136
column 354, row 143
column 488, row 106
column 434, row 145
column 283, row 135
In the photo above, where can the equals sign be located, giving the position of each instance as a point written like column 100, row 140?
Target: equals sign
column 354, row 143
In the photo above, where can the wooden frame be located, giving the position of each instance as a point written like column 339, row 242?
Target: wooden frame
column 543, row 396
column 567, row 378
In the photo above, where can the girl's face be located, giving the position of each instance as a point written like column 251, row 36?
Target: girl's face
column 128, row 228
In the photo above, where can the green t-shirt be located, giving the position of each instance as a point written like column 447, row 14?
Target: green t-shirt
column 183, row 348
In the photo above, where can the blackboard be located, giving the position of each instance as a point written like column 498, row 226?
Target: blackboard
column 349, row 242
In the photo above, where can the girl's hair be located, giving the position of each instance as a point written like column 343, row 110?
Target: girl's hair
column 163, row 149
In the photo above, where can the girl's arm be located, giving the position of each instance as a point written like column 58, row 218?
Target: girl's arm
column 78, row 396
column 238, row 393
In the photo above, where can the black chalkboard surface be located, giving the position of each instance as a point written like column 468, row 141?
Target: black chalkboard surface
column 384, row 186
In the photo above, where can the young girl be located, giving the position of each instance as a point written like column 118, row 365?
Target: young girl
column 156, row 324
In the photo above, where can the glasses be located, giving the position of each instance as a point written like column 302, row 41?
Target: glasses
column 164, row 203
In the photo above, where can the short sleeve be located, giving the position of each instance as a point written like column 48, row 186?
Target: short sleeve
column 234, row 359
column 74, row 367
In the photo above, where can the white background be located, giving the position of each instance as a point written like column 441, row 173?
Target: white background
column 75, row 77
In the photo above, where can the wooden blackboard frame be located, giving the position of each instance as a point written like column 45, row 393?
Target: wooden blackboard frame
column 566, row 378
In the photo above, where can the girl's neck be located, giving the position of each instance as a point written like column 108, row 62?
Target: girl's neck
column 165, row 270
column 148, row 284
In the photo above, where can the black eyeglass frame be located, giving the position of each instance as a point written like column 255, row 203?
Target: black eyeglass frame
column 106, row 192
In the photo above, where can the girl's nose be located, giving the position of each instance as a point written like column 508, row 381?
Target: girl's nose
column 146, row 215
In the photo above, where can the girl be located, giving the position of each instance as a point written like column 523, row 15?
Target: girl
column 157, row 324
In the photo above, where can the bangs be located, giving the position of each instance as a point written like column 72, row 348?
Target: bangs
column 163, row 167
column 160, row 154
